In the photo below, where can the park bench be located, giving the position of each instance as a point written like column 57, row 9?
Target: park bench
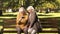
column 47, row 23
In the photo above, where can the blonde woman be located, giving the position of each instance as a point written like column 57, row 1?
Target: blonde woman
column 21, row 21
column 34, row 25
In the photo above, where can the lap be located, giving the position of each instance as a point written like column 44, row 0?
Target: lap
column 37, row 26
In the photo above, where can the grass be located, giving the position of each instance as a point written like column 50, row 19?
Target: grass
column 42, row 15
column 49, row 15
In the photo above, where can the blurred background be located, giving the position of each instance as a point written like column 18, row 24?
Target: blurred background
column 44, row 9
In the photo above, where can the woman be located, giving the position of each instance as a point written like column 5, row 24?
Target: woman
column 21, row 22
column 34, row 25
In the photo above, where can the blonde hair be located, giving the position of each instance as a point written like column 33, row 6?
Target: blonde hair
column 30, row 7
column 22, row 9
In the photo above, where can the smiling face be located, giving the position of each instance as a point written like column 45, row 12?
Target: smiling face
column 30, row 9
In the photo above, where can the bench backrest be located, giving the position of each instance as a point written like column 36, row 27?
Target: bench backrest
column 45, row 22
column 9, row 23
column 49, row 22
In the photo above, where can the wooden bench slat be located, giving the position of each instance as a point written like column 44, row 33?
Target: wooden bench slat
column 44, row 26
column 14, row 31
column 9, row 26
column 49, row 26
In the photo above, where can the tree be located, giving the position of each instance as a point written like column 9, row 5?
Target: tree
column 34, row 3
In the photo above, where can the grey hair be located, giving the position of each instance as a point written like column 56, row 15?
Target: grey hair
column 30, row 7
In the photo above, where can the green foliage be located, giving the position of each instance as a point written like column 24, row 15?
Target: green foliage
column 49, row 5
column 35, row 3
column 10, row 3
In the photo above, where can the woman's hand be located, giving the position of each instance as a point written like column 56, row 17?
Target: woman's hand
column 30, row 30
